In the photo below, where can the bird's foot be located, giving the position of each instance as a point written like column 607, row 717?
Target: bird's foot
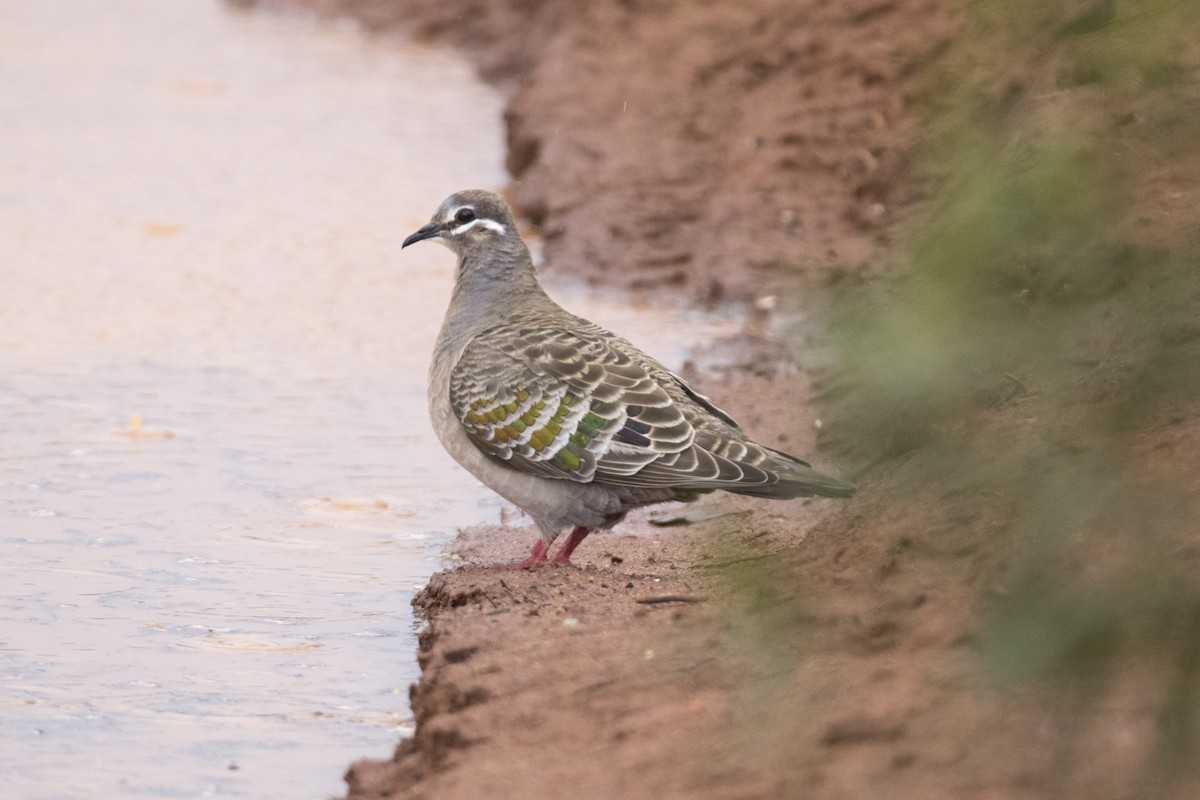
column 539, row 555
column 536, row 558
column 563, row 556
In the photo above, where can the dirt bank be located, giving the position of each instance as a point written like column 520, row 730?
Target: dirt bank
column 725, row 151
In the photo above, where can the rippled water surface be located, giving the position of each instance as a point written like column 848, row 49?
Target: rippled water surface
column 218, row 488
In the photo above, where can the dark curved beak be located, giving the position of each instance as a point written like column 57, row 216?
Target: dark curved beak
column 424, row 232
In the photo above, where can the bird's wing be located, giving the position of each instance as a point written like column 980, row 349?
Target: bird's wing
column 577, row 403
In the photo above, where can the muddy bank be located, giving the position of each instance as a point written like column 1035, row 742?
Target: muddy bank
column 726, row 152
column 723, row 152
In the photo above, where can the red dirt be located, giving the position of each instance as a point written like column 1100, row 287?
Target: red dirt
column 727, row 150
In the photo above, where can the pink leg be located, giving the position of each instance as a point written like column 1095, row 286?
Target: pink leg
column 563, row 556
column 536, row 558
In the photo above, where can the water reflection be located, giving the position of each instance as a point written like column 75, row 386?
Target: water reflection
column 236, row 592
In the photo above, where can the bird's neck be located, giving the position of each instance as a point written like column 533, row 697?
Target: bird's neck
column 489, row 289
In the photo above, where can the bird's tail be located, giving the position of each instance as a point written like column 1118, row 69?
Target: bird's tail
column 796, row 478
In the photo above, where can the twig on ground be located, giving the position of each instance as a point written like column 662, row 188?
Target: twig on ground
column 671, row 598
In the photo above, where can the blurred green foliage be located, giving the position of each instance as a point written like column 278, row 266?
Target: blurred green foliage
column 1039, row 343
column 1046, row 152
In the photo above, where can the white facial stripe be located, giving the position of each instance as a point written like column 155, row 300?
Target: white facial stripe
column 491, row 225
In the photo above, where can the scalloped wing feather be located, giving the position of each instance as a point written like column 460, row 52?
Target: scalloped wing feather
column 578, row 403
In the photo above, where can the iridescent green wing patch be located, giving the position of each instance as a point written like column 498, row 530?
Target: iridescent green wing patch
column 549, row 427
column 566, row 404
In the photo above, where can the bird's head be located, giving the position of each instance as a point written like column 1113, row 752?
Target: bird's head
column 467, row 221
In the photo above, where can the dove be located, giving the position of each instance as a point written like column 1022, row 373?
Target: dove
column 564, row 419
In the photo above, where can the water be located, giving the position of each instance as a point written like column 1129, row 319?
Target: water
column 218, row 488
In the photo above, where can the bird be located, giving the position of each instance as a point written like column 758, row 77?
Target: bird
column 563, row 418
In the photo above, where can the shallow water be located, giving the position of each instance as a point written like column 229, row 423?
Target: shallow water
column 218, row 488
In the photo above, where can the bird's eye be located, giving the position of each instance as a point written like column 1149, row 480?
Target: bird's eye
column 464, row 215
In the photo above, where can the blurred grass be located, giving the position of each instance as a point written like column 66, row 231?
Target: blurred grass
column 1045, row 151
column 1038, row 343
column 1043, row 329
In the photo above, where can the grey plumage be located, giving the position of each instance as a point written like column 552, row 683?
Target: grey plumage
column 564, row 419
